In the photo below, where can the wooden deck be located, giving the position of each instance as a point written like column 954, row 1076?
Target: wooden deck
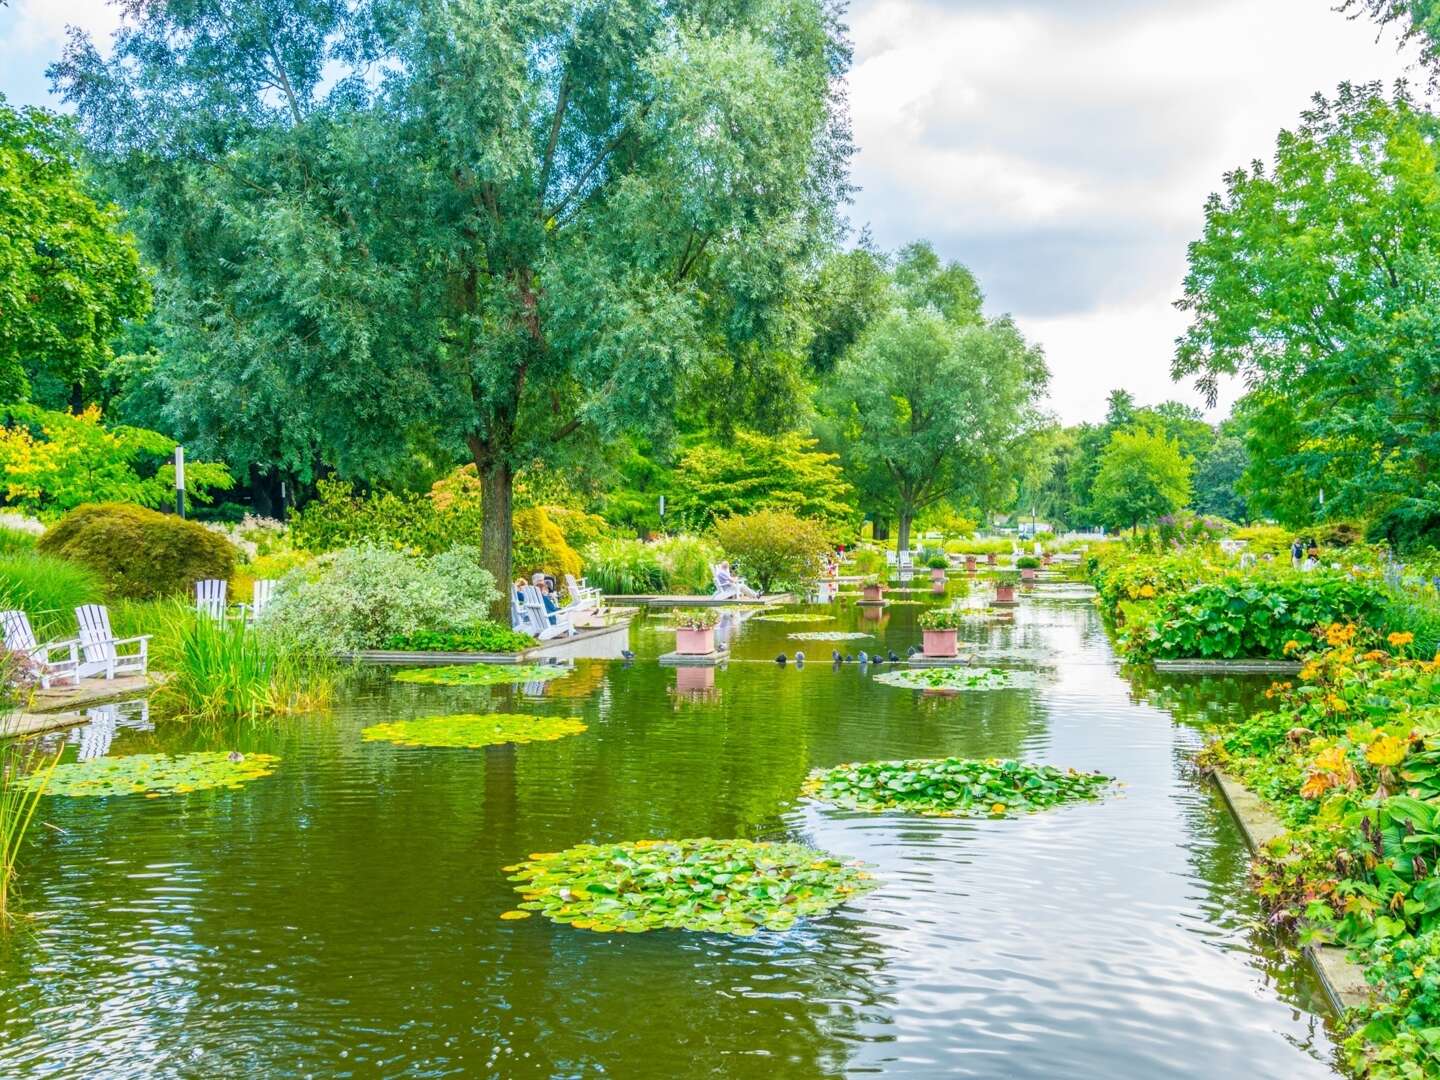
column 663, row 600
column 63, row 706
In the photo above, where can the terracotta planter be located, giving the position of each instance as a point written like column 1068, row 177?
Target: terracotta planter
column 1045, row 559
column 937, row 575
column 940, row 643
column 992, row 559
column 694, row 642
column 874, row 594
column 1027, row 574
column 1004, row 594
column 970, row 564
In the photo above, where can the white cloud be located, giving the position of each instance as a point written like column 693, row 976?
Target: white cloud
column 39, row 25
column 1065, row 151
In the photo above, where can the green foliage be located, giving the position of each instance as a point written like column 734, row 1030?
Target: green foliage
column 68, row 276
column 708, row 886
column 941, row 618
column 753, row 472
column 579, row 529
column 685, row 563
column 1266, row 539
column 140, row 554
column 487, row 637
column 361, row 598
column 470, row 731
column 1142, row 476
column 793, row 617
column 625, row 567
column 56, row 461
column 1218, row 480
column 481, row 674
column 954, row 677
column 952, row 787
column 25, row 772
column 938, row 562
column 1315, row 282
column 16, row 541
column 924, row 409
column 772, row 549
column 1249, row 617
column 696, row 618
column 524, row 262
column 48, row 589
column 156, row 775
column 226, row 671
column 1027, row 562
column 539, row 545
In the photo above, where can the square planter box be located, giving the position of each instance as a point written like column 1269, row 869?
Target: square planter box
column 992, row 559
column 940, row 643
column 1005, row 595
column 694, row 642
column 874, row 594
column 1027, row 575
column 970, row 564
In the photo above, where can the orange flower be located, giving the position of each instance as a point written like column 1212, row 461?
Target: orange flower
column 1291, row 646
column 1400, row 637
column 1316, row 784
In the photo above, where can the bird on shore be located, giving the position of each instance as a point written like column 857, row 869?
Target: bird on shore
column 864, row 657
column 835, row 656
column 912, row 650
column 849, row 659
column 781, row 659
column 893, row 658
column 627, row 654
column 799, row 659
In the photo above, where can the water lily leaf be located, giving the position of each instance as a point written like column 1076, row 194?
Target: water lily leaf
column 952, row 787
column 793, row 617
column 828, row 635
column 705, row 885
column 470, row 730
column 155, row 775
column 481, row 674
column 957, row 677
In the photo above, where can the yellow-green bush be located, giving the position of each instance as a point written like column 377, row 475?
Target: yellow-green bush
column 1265, row 539
column 538, row 544
column 139, row 554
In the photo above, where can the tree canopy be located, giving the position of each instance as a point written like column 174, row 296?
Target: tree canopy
column 69, row 275
column 1143, row 476
column 1316, row 282
column 492, row 227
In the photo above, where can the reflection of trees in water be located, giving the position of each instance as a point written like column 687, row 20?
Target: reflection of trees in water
column 1198, row 700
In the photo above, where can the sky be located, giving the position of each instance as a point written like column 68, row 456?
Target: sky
column 1062, row 149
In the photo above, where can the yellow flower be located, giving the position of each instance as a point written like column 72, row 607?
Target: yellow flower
column 1331, row 760
column 1337, row 703
column 1400, row 637
column 1308, row 672
column 1147, row 591
column 1291, row 646
column 1387, row 751
column 998, row 808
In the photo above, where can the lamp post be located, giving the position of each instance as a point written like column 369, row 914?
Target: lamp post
column 180, row 480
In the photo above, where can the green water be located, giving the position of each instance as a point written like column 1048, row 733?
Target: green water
column 340, row 918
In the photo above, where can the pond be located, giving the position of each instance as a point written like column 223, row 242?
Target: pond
column 340, row 917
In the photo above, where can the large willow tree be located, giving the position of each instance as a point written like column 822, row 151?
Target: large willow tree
column 496, row 227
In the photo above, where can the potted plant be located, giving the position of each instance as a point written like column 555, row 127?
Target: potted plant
column 1045, row 559
column 938, row 564
column 695, row 631
column 1027, row 565
column 992, row 559
column 970, row 562
column 1005, row 589
column 873, row 589
column 939, row 626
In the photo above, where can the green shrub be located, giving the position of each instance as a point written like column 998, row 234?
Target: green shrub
column 686, row 561
column 579, row 528
column 866, row 561
column 140, row 554
column 1252, row 618
column 539, row 545
column 941, row 619
column 1027, row 562
column 624, row 567
column 489, row 637
column 1265, row 539
column 48, row 590
column 937, row 562
column 773, row 549
column 16, row 541
column 362, row 598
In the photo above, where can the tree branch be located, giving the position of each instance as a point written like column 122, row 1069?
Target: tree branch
column 595, row 164
column 560, row 104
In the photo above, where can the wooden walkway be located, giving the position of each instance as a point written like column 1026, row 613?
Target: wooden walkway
column 663, row 600
column 63, row 706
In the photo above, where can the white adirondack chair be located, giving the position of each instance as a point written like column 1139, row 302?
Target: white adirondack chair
column 104, row 653
column 906, row 560
column 582, row 596
column 210, row 597
column 21, row 639
column 730, row 587
column 550, row 624
column 262, row 591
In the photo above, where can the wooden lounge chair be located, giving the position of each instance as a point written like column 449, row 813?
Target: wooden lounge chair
column 550, row 624
column 582, row 596
column 261, row 593
column 210, row 597
column 19, row 638
column 104, row 653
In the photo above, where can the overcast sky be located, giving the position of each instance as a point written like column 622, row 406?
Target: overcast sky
column 1061, row 148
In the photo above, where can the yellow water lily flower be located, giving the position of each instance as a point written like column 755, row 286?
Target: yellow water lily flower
column 509, row 915
column 998, row 808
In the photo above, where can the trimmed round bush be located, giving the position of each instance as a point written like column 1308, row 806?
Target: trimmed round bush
column 140, row 554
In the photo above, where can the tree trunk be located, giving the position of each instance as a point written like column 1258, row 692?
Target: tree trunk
column 879, row 529
column 902, row 539
column 496, row 481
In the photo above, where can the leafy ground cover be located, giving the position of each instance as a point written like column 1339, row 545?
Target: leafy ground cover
column 483, row 637
column 828, row 635
column 953, row 787
column 1348, row 754
column 951, row 677
column 481, row 674
column 704, row 885
column 470, row 730
column 155, row 775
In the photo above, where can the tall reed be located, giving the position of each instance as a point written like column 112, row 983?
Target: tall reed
column 49, row 589
column 24, row 773
column 224, row 671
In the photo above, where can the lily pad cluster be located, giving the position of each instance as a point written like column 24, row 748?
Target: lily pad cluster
column 952, row 677
column 793, row 616
column 470, row 730
column 953, row 787
column 481, row 674
column 705, row 885
column 828, row 635
column 155, row 775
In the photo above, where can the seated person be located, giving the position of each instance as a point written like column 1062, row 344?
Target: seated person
column 547, row 594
